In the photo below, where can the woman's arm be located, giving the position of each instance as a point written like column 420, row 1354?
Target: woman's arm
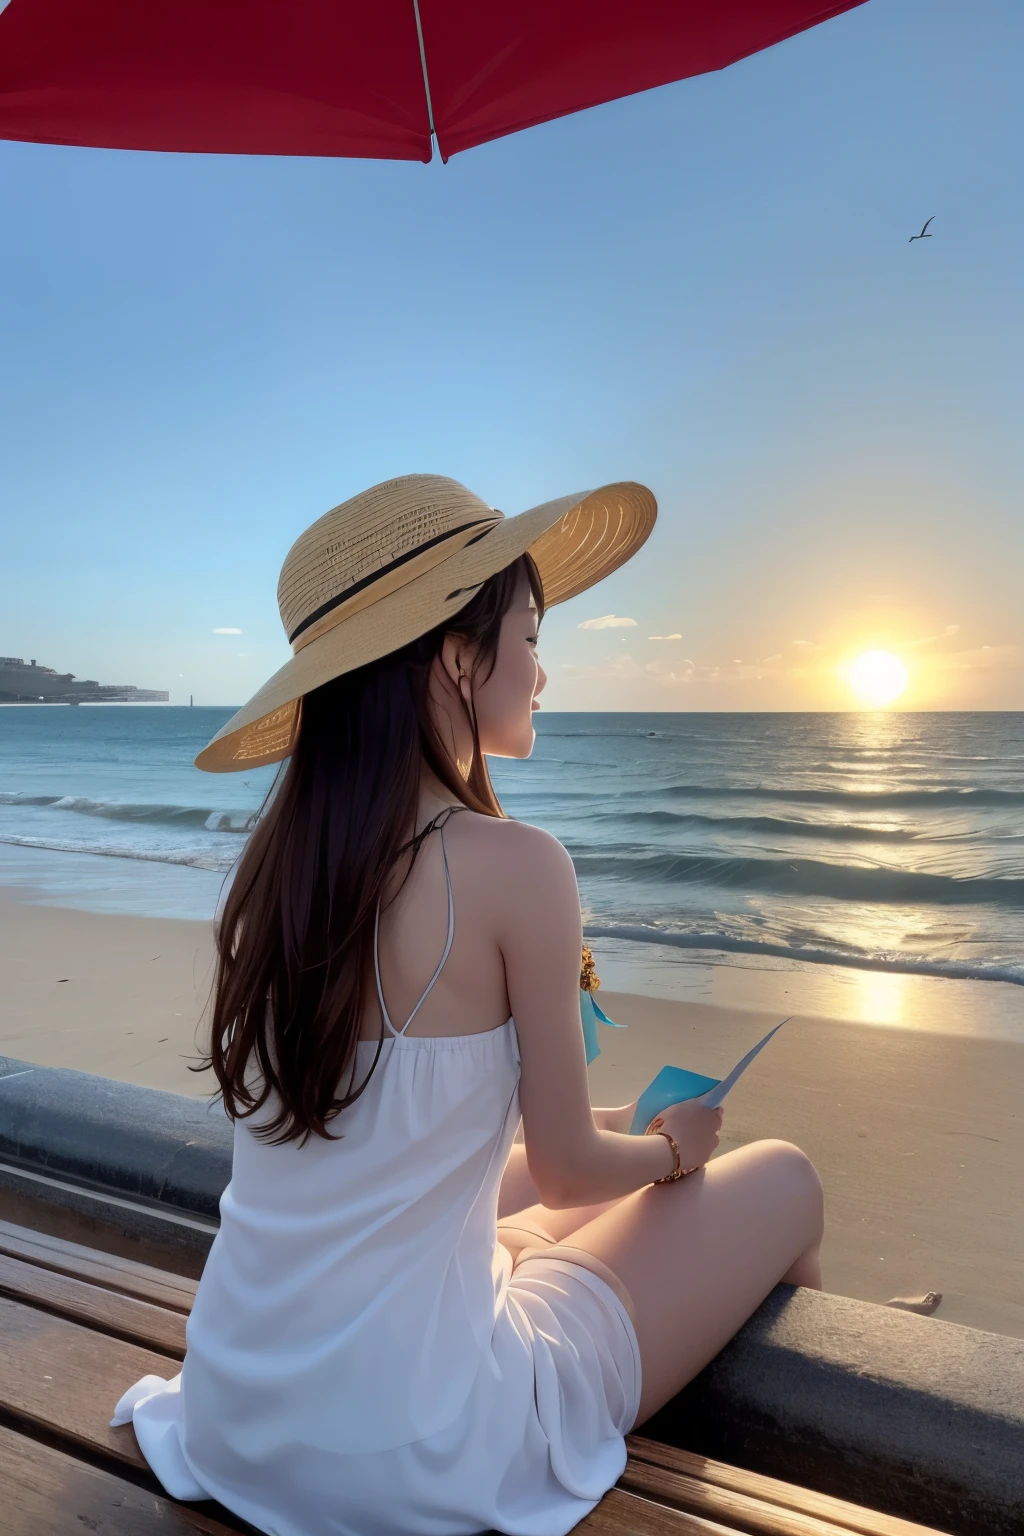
column 615, row 1119
column 573, row 1159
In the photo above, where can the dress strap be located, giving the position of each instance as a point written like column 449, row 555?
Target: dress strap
column 440, row 964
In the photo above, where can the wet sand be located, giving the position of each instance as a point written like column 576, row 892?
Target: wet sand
column 918, row 1133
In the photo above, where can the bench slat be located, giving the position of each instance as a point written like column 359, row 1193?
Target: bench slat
column 737, row 1511
column 769, row 1490
column 118, row 1315
column 65, row 1379
column 127, row 1276
column 627, row 1514
column 47, row 1493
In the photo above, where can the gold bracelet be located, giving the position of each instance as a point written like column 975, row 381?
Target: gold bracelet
column 654, row 1129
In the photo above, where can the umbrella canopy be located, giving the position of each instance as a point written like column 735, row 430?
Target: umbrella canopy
column 352, row 77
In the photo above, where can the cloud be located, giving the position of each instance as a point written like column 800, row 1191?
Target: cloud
column 807, row 645
column 225, row 631
column 664, row 637
column 607, row 621
column 946, row 634
column 672, row 671
column 986, row 658
column 771, row 661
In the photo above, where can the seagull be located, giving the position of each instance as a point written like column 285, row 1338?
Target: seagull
column 922, row 235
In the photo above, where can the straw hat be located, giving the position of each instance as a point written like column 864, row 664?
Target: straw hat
column 387, row 566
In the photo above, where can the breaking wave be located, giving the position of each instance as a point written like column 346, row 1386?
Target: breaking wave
column 203, row 816
column 219, row 863
column 904, row 965
column 803, row 877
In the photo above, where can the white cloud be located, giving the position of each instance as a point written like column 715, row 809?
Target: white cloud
column 226, row 631
column 664, row 637
column 807, row 645
column 607, row 621
column 946, row 634
column 986, row 657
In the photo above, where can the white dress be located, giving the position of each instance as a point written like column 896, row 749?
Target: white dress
column 362, row 1360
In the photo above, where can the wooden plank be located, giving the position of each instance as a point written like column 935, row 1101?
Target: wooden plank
column 64, row 1380
column 769, row 1490
column 48, row 1493
column 127, row 1276
column 120, row 1316
column 736, row 1511
column 625, row 1514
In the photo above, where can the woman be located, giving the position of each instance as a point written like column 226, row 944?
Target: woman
column 407, row 1322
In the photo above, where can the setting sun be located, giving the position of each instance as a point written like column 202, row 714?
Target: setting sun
column 877, row 678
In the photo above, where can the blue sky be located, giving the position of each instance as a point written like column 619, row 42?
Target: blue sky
column 708, row 288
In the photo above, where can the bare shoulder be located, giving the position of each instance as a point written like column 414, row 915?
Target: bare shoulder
column 513, row 848
column 509, row 862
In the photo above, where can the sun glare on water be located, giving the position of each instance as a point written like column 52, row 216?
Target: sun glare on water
column 877, row 678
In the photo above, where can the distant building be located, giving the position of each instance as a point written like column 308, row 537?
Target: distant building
column 26, row 683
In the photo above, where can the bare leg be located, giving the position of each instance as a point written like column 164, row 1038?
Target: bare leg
column 700, row 1255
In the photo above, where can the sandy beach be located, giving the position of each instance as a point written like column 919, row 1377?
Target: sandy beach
column 917, row 1133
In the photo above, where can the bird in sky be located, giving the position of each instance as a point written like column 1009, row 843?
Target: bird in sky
column 922, row 235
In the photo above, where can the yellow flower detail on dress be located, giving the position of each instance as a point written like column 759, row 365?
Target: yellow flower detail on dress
column 589, row 979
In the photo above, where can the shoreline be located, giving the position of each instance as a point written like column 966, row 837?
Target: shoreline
column 915, row 1126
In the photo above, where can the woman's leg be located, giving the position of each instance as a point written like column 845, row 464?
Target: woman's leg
column 700, row 1255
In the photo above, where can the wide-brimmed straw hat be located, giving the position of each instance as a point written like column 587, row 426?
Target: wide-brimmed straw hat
column 395, row 561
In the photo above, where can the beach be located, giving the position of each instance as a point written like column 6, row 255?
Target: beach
column 917, row 1131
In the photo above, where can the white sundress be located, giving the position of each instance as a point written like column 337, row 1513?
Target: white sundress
column 361, row 1358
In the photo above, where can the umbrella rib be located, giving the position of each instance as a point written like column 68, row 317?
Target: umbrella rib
column 423, row 67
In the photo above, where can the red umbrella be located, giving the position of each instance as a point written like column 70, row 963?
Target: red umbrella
column 334, row 77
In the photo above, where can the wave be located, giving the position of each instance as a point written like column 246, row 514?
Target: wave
column 204, row 816
column 885, row 799
column 194, row 860
column 804, row 877
column 952, row 970
column 777, row 826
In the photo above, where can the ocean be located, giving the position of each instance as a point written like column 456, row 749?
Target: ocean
column 879, row 842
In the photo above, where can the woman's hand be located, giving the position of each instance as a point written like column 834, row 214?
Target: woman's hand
column 694, row 1128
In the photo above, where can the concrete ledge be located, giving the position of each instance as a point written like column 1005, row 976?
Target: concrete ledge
column 904, row 1414
column 134, row 1142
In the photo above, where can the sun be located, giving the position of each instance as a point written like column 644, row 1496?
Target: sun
column 877, row 678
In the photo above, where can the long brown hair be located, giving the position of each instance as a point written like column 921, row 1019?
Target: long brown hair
column 295, row 939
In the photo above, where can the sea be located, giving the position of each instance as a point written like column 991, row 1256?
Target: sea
column 880, row 843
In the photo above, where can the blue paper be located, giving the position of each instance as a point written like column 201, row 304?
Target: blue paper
column 671, row 1086
column 590, row 1013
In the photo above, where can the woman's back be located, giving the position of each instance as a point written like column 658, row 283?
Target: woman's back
column 470, row 995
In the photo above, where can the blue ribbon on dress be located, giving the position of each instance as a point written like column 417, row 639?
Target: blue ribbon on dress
column 590, row 1013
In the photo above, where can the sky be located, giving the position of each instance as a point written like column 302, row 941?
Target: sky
column 709, row 288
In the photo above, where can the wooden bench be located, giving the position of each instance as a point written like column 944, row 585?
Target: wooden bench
column 77, row 1326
